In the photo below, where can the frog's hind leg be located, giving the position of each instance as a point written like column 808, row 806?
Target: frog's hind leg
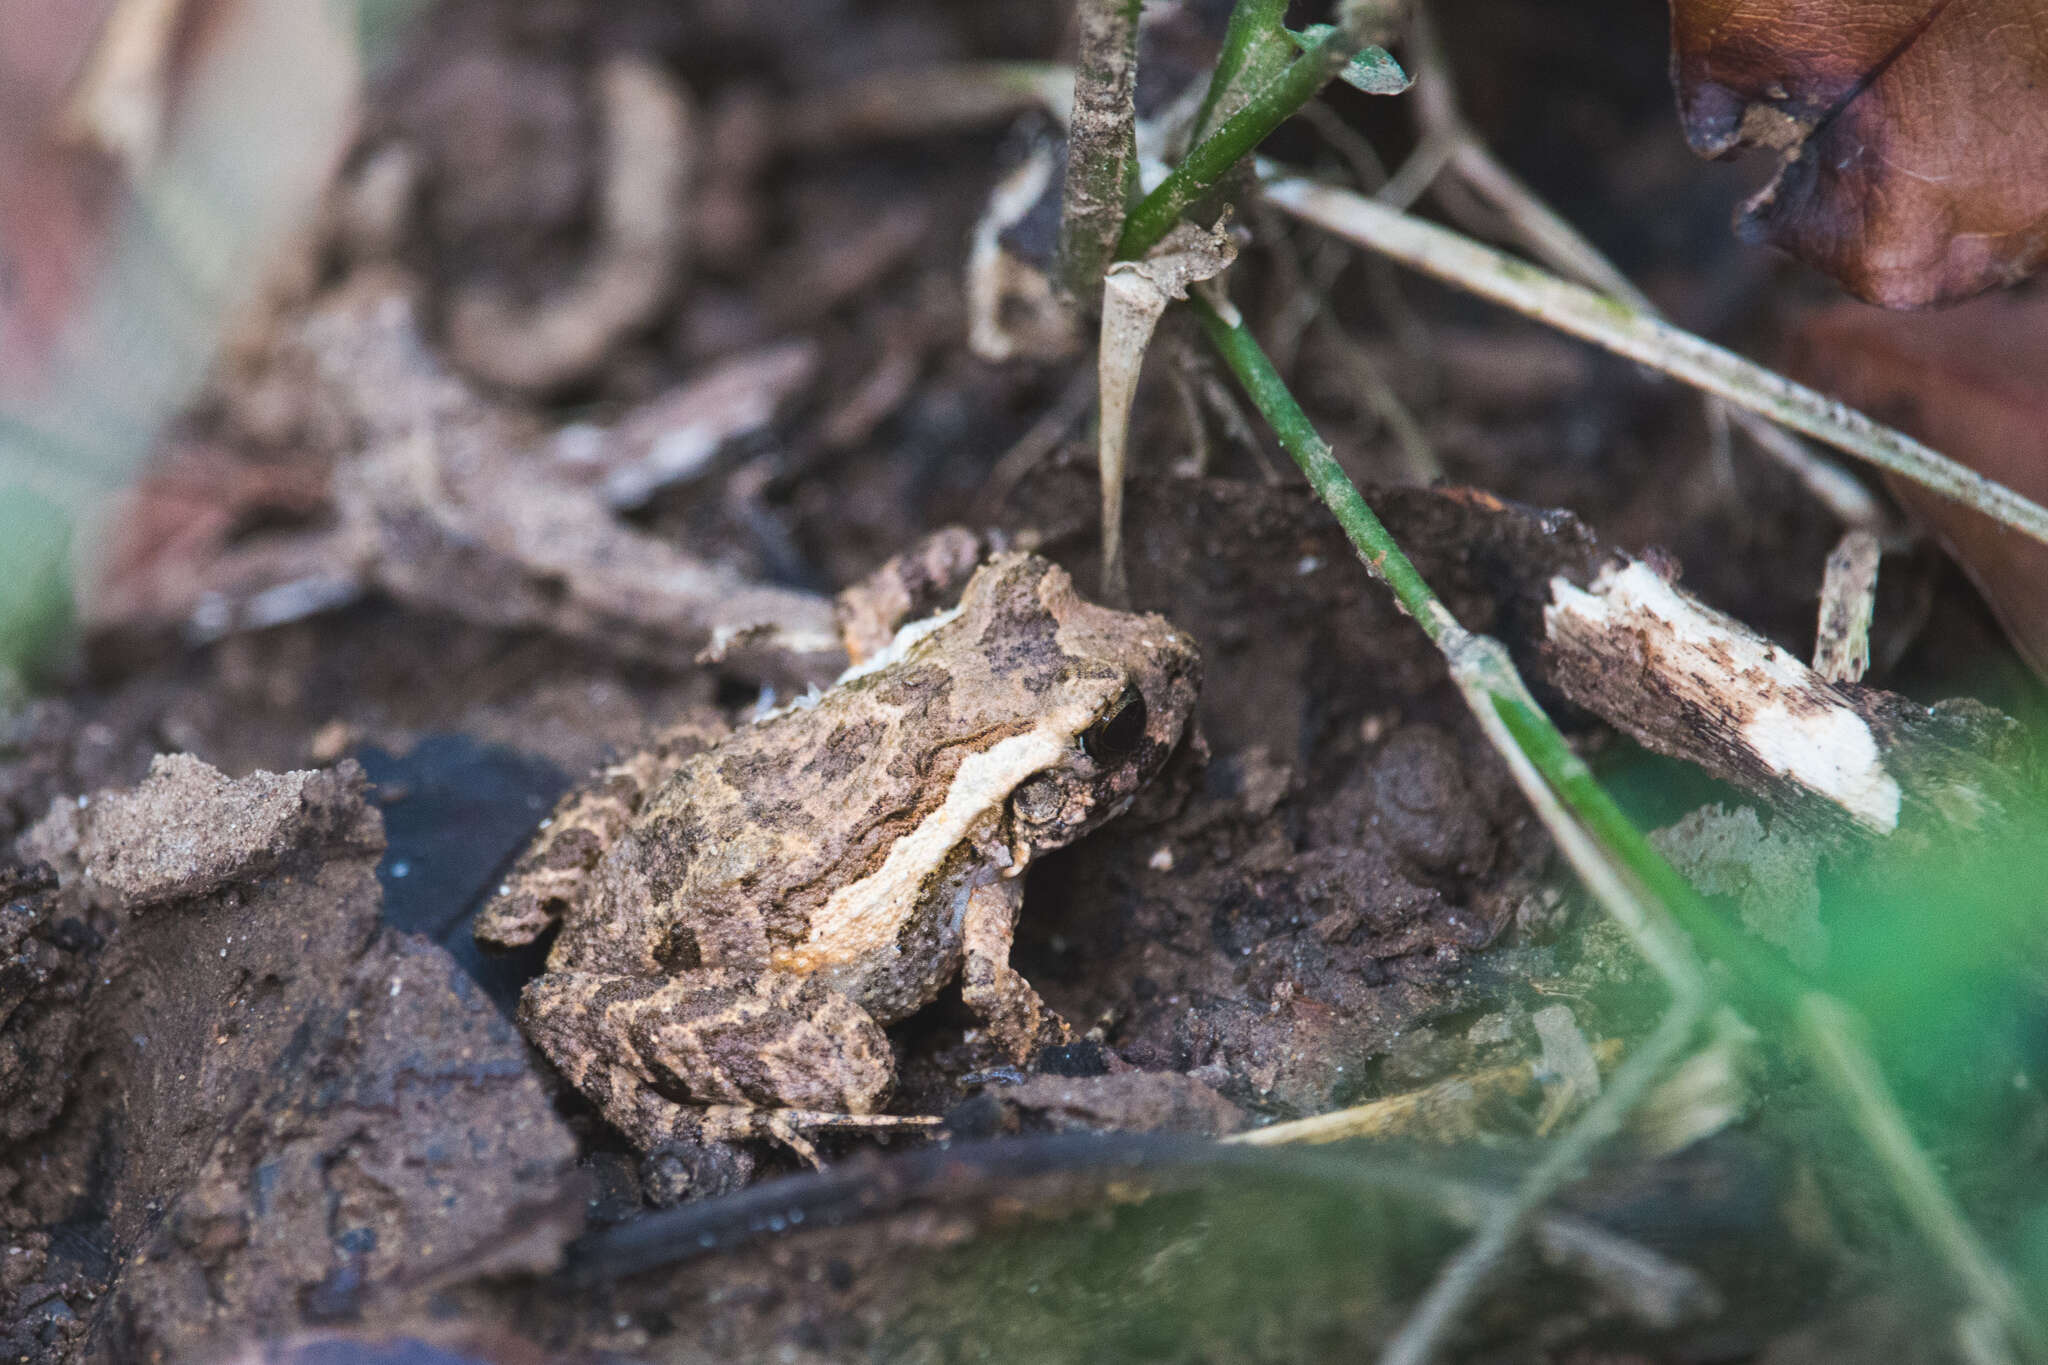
column 1016, row 1018
column 715, row 1054
column 554, row 874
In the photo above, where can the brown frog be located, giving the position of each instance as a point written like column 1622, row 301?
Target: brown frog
column 740, row 918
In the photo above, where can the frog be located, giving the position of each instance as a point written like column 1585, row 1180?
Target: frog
column 738, row 917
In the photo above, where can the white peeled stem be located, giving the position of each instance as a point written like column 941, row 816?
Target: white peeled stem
column 1725, row 697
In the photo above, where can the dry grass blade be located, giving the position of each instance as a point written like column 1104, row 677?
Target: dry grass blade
column 1450, row 145
column 1628, row 331
column 1447, row 1108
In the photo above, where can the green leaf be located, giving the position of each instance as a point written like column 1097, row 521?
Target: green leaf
column 35, row 582
column 1373, row 70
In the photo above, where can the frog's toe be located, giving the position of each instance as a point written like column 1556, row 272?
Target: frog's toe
column 1015, row 1017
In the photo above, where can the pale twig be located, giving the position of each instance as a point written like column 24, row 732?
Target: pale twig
column 1359, row 156
column 1413, row 177
column 1223, row 404
column 1034, row 445
column 1307, row 293
column 1848, row 593
column 1418, row 456
column 1628, row 331
column 1298, row 285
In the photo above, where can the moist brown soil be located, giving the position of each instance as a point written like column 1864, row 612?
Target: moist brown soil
column 259, row 1096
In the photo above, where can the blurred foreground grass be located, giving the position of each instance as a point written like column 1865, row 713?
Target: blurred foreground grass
column 119, row 301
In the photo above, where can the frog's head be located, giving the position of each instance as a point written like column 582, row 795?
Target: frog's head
column 1106, row 695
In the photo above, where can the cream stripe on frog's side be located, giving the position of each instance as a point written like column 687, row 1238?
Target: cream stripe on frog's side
column 863, row 917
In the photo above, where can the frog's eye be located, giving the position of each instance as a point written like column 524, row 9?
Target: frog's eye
column 1115, row 737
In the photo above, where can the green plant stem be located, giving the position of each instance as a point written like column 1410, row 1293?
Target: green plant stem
column 1575, row 805
column 1212, row 158
column 1299, row 437
column 1255, row 47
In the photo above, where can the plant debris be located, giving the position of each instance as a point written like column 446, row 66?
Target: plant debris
column 648, row 362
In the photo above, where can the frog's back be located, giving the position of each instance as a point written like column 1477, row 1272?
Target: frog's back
column 730, row 860
column 729, row 856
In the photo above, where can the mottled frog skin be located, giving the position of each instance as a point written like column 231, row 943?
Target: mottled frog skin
column 740, row 918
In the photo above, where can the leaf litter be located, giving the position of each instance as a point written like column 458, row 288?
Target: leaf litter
column 1336, row 899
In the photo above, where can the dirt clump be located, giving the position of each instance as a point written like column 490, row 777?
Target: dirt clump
column 280, row 1110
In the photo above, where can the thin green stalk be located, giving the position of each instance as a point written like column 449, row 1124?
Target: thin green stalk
column 1269, row 393
column 1211, row 158
column 1255, row 47
column 1826, row 1028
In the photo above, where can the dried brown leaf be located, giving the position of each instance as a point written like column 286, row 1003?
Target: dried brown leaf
column 1915, row 133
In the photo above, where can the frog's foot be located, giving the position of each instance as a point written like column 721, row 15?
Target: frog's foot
column 789, row 1126
column 553, row 875
column 660, row 1056
column 652, row 1120
column 1016, row 1018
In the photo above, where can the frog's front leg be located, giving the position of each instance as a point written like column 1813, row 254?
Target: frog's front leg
column 715, row 1054
column 1017, row 1019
